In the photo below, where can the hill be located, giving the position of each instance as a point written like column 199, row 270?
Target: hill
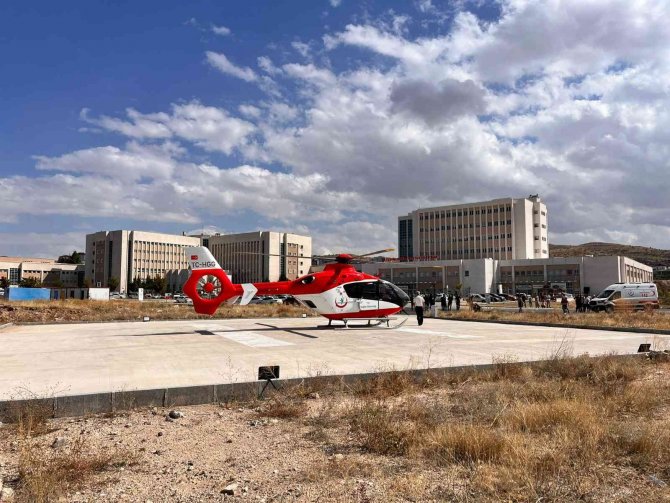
column 646, row 255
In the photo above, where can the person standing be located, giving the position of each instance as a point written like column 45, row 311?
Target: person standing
column 458, row 301
column 451, row 301
column 443, row 302
column 419, row 303
column 519, row 302
column 564, row 304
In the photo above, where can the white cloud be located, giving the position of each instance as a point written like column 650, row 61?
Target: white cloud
column 210, row 128
column 335, row 3
column 219, row 61
column 151, row 183
column 302, row 48
column 265, row 64
column 250, row 111
column 221, row 30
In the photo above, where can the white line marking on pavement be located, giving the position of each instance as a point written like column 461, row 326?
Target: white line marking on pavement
column 439, row 334
column 252, row 339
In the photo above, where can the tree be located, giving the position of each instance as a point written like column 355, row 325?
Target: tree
column 30, row 283
column 158, row 284
column 74, row 258
column 113, row 283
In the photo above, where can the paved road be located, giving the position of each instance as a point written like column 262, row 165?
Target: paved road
column 90, row 358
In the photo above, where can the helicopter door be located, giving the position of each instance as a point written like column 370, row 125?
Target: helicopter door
column 365, row 294
column 370, row 296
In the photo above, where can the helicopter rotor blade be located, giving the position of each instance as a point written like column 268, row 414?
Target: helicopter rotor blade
column 330, row 258
column 378, row 252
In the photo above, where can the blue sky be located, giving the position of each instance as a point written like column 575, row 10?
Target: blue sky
column 329, row 118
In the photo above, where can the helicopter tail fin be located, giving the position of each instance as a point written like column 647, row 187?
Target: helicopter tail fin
column 208, row 284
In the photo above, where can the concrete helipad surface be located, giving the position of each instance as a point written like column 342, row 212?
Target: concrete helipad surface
column 95, row 358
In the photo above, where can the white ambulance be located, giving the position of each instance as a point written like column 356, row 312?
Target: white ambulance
column 626, row 296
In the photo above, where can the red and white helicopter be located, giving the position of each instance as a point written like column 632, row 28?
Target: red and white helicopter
column 339, row 292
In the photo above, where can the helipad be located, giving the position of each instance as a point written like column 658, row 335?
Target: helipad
column 76, row 359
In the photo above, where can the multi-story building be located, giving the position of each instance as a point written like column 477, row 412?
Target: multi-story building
column 129, row 255
column 248, row 257
column 588, row 274
column 502, row 229
column 262, row 256
column 46, row 271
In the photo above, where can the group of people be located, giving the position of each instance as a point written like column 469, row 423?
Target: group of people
column 539, row 300
column 582, row 303
column 419, row 303
column 542, row 300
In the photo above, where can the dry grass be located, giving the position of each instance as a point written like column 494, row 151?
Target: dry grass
column 563, row 430
column 31, row 417
column 47, row 474
column 119, row 310
column 642, row 320
column 283, row 408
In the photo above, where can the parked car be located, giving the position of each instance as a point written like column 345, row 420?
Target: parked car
column 509, row 296
column 475, row 297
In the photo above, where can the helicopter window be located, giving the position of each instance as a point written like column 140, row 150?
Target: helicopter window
column 309, row 303
column 307, row 280
column 368, row 291
column 354, row 290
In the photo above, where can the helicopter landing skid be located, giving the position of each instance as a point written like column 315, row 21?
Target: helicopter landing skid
column 373, row 322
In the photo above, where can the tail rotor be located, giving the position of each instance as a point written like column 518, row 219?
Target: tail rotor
column 208, row 285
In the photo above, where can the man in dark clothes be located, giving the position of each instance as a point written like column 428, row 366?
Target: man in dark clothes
column 564, row 304
column 451, row 301
column 443, row 302
column 458, row 301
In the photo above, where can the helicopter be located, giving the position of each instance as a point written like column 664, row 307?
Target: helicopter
column 338, row 292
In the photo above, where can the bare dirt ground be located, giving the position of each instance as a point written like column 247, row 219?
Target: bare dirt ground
column 570, row 429
column 120, row 310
